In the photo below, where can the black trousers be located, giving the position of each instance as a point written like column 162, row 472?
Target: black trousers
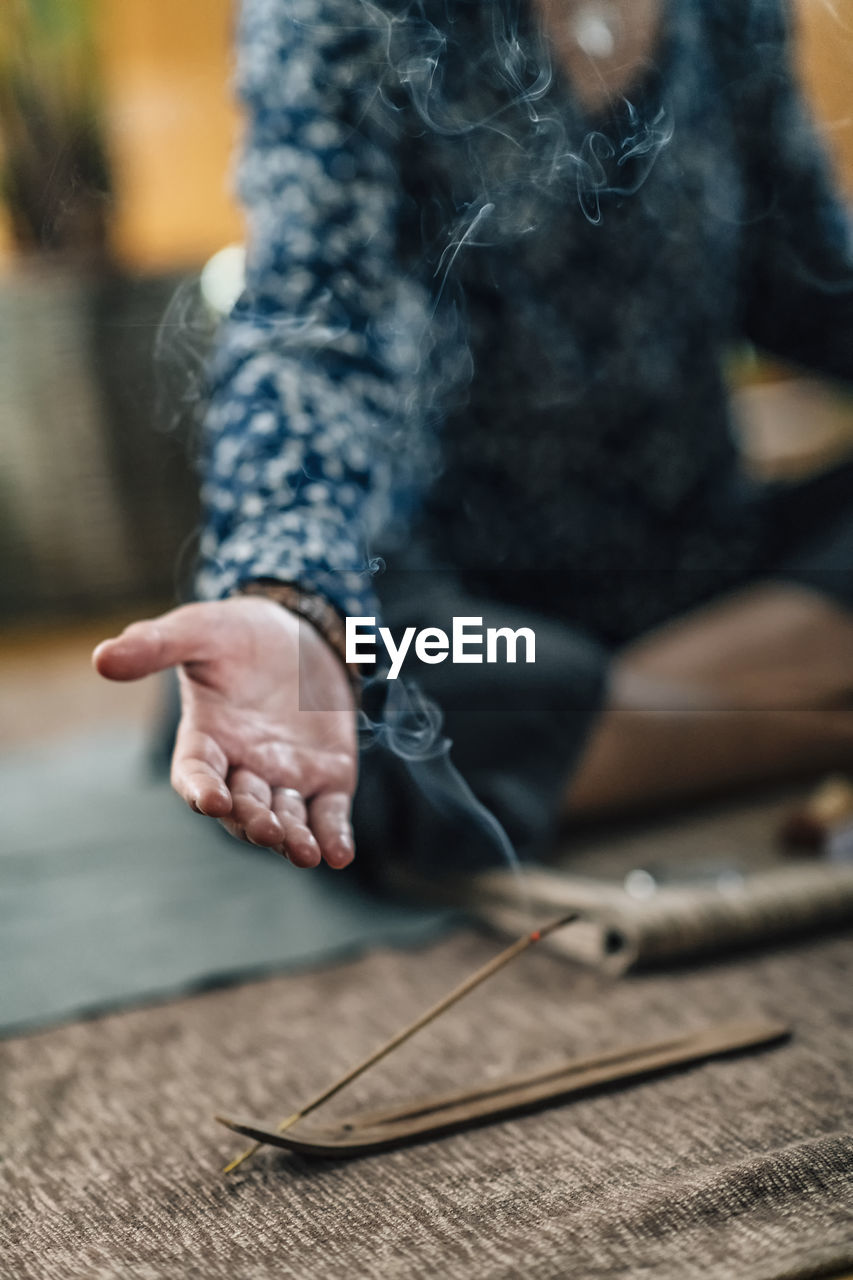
column 516, row 731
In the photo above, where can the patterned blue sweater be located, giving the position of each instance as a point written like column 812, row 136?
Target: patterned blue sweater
column 481, row 319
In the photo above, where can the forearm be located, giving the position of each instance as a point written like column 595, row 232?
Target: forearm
column 307, row 386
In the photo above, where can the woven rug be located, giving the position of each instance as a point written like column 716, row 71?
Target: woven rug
column 740, row 1168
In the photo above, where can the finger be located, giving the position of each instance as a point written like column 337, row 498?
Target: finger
column 199, row 766
column 251, row 810
column 309, row 771
column 154, row 645
column 329, row 816
column 298, row 844
column 234, row 829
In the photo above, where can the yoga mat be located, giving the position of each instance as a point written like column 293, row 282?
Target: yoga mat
column 113, row 893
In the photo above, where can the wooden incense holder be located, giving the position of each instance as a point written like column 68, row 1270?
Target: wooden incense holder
column 476, row 979
column 434, row 1117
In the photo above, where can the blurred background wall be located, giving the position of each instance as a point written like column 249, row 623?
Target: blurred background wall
column 118, row 132
column 116, row 136
column 172, row 128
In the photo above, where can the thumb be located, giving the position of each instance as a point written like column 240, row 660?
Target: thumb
column 154, row 645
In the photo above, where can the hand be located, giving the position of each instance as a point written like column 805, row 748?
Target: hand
column 267, row 738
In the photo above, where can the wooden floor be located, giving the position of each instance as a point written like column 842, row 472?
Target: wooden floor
column 48, row 687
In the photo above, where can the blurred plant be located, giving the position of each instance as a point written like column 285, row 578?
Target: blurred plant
column 54, row 174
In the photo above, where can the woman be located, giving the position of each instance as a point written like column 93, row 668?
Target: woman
column 498, row 255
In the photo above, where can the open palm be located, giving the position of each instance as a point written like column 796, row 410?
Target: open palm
column 267, row 738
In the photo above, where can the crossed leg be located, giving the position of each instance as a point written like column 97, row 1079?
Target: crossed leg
column 754, row 688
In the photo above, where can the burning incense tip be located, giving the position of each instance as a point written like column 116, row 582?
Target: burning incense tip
column 554, row 925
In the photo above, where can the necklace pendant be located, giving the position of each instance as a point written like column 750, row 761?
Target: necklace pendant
column 594, row 30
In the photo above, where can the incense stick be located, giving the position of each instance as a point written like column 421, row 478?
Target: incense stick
column 491, row 967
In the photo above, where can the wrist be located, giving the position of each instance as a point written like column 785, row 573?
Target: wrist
column 313, row 608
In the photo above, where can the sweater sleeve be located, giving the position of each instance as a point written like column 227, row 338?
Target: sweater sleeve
column 799, row 254
column 309, row 379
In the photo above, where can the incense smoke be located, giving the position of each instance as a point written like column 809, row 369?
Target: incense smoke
column 411, row 729
column 181, row 351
